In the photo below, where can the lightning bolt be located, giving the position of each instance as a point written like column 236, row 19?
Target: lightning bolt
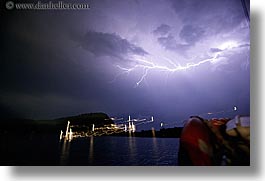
column 146, row 64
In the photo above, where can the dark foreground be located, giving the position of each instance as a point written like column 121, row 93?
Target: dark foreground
column 35, row 142
column 46, row 149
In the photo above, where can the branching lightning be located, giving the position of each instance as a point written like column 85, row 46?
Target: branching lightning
column 146, row 64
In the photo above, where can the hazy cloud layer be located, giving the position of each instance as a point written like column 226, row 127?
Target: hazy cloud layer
column 215, row 15
column 162, row 30
column 201, row 19
column 107, row 44
column 215, row 50
column 170, row 43
column 191, row 34
column 45, row 72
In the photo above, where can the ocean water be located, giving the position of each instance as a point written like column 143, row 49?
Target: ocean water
column 95, row 151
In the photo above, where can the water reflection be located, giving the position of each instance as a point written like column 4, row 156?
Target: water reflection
column 116, row 151
column 91, row 150
column 132, row 149
column 155, row 153
column 153, row 132
column 154, row 140
column 65, row 152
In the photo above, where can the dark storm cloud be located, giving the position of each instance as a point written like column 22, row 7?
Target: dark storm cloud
column 191, row 34
column 107, row 44
column 41, row 73
column 162, row 30
column 167, row 42
column 170, row 43
column 44, row 73
column 214, row 50
column 245, row 45
column 218, row 16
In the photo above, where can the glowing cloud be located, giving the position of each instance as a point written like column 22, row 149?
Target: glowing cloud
column 147, row 64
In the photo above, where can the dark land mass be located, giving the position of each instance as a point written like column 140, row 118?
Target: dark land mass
column 83, row 121
column 24, row 141
column 51, row 126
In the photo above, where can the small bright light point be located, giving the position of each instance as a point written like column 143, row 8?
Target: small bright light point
column 235, row 108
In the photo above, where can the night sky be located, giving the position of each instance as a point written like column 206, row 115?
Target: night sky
column 164, row 58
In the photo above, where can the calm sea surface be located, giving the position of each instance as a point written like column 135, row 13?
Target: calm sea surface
column 111, row 151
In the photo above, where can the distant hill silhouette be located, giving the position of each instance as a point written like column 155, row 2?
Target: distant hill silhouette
column 53, row 125
column 99, row 119
column 28, row 126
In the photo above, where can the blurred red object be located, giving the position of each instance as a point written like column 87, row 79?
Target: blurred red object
column 195, row 143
